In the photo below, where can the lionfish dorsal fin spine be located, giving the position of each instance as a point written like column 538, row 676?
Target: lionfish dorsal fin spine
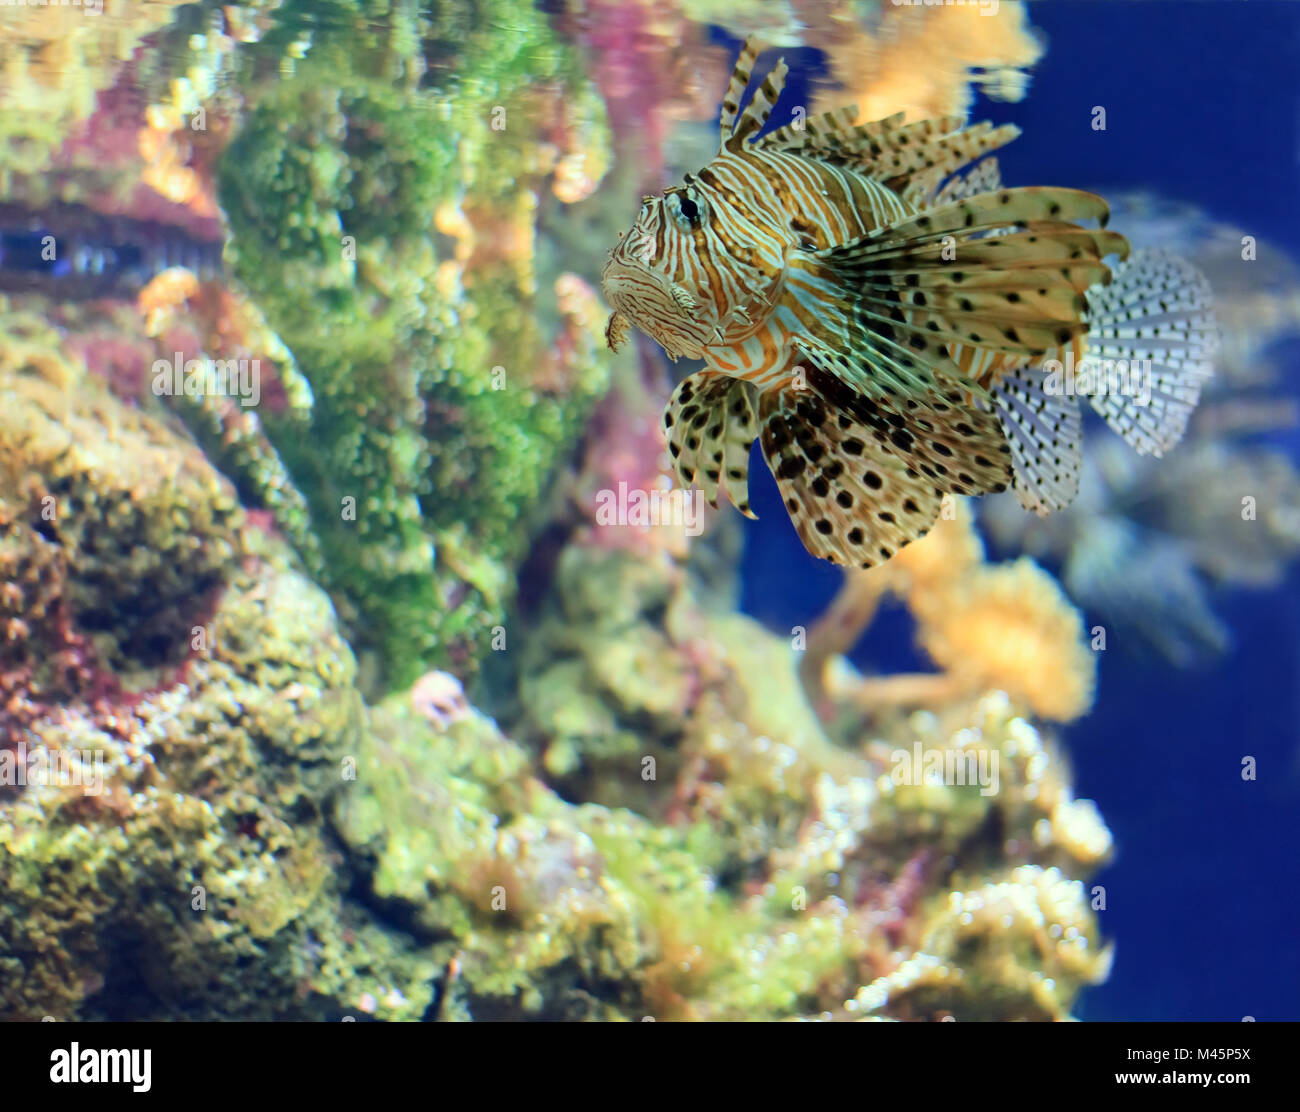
column 736, row 92
column 760, row 107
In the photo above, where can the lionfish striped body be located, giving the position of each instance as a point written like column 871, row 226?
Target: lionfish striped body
column 887, row 317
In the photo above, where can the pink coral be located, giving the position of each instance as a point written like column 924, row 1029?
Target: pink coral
column 652, row 67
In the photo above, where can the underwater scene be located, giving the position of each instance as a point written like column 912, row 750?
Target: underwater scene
column 630, row 510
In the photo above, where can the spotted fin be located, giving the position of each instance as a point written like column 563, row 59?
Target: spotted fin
column 852, row 500
column 1045, row 431
column 710, row 426
column 1157, row 308
column 956, row 446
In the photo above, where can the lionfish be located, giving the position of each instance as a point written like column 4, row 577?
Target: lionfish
column 872, row 303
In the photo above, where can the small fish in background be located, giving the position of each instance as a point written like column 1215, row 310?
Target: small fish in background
column 73, row 253
column 874, row 305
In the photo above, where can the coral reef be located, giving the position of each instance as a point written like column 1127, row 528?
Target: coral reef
column 54, row 60
column 142, row 529
column 921, row 59
column 924, row 59
column 1005, row 627
column 761, row 870
column 681, row 815
column 176, row 717
column 837, row 870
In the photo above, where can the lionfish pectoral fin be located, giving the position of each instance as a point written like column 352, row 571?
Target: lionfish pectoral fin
column 916, row 292
column 710, row 425
column 852, row 497
column 1044, row 427
column 1151, row 342
column 616, row 330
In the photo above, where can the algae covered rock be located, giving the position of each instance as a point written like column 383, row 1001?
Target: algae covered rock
column 462, row 844
column 144, row 525
column 542, row 909
column 848, row 851
column 194, row 878
column 178, row 703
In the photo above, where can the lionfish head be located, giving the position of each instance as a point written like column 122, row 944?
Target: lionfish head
column 639, row 279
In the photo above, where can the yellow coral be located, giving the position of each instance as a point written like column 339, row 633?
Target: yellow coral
column 1007, row 628
column 54, row 60
column 1012, row 628
column 950, row 548
column 922, row 60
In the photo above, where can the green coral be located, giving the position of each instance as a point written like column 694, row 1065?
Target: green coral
column 432, row 438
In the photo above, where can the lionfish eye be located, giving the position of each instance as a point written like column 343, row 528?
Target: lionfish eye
column 689, row 208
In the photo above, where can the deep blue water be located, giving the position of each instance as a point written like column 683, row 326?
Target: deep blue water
column 1203, row 105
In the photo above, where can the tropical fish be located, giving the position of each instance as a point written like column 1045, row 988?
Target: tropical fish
column 73, row 253
column 871, row 303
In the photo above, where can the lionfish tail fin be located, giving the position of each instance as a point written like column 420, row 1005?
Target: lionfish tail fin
column 856, row 486
column 710, row 427
column 1151, row 343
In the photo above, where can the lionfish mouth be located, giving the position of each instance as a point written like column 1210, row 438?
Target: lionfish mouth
column 665, row 312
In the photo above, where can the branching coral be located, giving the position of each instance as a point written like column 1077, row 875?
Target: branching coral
column 1005, row 627
column 923, row 59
